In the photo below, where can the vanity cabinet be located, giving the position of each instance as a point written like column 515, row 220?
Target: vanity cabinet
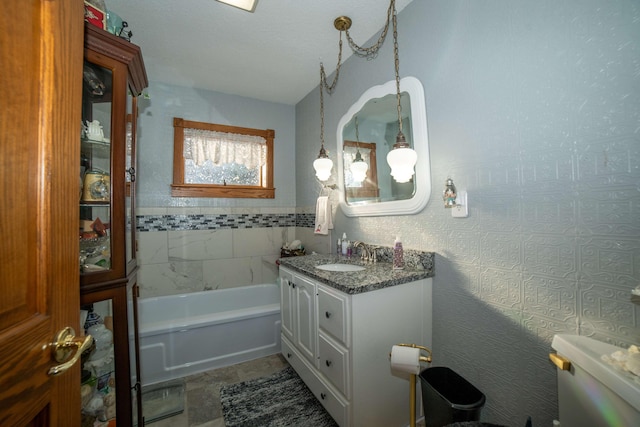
column 113, row 77
column 352, row 334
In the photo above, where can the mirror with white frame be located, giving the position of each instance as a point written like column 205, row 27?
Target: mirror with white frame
column 370, row 126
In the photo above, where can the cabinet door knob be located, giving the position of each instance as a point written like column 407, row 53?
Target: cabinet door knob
column 328, row 363
column 323, row 396
column 289, row 355
column 327, row 314
column 293, row 284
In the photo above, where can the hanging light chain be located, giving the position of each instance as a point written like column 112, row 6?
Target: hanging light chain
column 323, row 74
column 329, row 87
column 358, row 157
column 321, row 110
column 372, row 51
column 363, row 52
column 397, row 67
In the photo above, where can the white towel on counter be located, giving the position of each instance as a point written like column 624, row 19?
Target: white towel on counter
column 323, row 216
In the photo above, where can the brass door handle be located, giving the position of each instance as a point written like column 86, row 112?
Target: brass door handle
column 62, row 347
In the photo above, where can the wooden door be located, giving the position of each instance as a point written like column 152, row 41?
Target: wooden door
column 40, row 97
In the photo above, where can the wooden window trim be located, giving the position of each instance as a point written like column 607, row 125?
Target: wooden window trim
column 370, row 187
column 181, row 189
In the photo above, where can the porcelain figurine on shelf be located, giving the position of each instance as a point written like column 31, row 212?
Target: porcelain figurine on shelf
column 94, row 130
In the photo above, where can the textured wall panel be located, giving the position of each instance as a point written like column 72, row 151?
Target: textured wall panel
column 534, row 109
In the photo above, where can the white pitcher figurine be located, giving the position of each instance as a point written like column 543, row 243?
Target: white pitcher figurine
column 94, row 130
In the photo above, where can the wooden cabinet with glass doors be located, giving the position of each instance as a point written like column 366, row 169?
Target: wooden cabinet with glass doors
column 113, row 77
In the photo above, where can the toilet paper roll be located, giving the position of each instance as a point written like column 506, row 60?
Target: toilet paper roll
column 405, row 359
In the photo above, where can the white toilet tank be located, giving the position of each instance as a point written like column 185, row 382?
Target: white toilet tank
column 591, row 392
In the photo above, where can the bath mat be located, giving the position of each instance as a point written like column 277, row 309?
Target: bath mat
column 279, row 400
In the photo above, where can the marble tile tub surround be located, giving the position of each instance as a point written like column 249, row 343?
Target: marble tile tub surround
column 188, row 250
column 418, row 265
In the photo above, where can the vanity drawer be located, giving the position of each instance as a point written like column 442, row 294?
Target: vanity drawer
column 334, row 363
column 332, row 314
column 330, row 399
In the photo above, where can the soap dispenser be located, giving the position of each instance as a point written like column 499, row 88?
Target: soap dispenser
column 398, row 255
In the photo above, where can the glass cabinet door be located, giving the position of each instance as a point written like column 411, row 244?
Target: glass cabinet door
column 130, row 181
column 98, row 364
column 106, row 375
column 95, row 170
column 134, row 357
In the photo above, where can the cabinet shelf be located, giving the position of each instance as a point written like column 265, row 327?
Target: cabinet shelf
column 97, row 142
column 96, row 203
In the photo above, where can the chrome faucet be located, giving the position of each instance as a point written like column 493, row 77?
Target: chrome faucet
column 367, row 252
column 373, row 254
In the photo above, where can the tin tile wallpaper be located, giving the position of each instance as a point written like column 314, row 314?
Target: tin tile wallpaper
column 534, row 109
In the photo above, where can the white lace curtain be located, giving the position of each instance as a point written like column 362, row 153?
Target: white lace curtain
column 222, row 148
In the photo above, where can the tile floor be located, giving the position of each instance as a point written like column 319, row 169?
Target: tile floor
column 202, row 407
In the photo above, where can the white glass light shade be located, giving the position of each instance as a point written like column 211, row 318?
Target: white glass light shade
column 402, row 161
column 323, row 166
column 359, row 170
column 248, row 5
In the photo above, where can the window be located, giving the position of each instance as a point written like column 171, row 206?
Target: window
column 212, row 160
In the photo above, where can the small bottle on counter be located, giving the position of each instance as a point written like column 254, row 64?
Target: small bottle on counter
column 345, row 244
column 349, row 249
column 339, row 247
column 398, row 255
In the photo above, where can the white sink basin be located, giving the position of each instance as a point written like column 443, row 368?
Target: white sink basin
column 339, row 267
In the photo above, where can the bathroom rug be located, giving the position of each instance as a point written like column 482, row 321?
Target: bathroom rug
column 279, row 400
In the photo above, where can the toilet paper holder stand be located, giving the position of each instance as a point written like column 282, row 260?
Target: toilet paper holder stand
column 412, row 381
column 426, row 359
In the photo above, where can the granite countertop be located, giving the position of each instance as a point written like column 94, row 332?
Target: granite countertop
column 375, row 276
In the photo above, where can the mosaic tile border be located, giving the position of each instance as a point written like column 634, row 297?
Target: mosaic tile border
column 147, row 223
column 307, row 220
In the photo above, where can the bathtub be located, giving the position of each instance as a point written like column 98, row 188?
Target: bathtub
column 190, row 333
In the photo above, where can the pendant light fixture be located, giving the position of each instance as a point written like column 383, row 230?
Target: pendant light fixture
column 323, row 164
column 401, row 158
column 358, row 167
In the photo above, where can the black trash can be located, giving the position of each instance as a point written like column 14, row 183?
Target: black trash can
column 448, row 398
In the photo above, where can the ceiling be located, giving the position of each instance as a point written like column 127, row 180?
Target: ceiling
column 272, row 54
